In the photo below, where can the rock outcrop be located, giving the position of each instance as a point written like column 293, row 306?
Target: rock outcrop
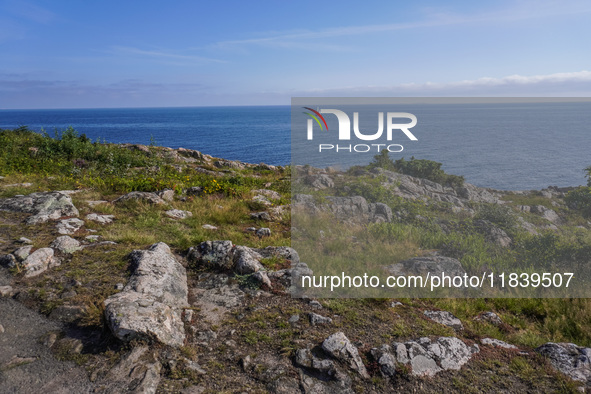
column 427, row 357
column 570, row 359
column 43, row 206
column 151, row 304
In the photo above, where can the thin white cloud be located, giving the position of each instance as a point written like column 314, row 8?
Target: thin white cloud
column 163, row 55
column 30, row 11
column 433, row 18
column 568, row 83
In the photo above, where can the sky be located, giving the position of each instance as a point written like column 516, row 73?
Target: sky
column 82, row 54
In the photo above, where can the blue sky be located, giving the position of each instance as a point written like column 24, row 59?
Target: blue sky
column 72, row 54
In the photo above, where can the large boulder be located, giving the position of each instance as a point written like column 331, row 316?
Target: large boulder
column 151, row 304
column 570, row 359
column 43, row 206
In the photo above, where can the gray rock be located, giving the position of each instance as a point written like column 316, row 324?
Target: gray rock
column 315, row 304
column 570, row 359
column 492, row 233
column 213, row 254
column 178, row 214
column 338, row 346
column 271, row 194
column 263, row 232
column 151, row 304
column 66, row 244
column 43, row 206
column 260, row 199
column 490, row 317
column 151, row 198
column 497, row 343
column 428, row 357
column 546, row 213
column 262, row 278
column 38, row 262
column 137, row 372
column 435, row 265
column 100, row 219
column 445, row 318
column 261, row 216
column 23, row 240
column 93, row 204
column 246, row 260
column 209, row 227
column 319, row 181
column 316, row 319
column 386, row 360
column 166, row 194
column 22, row 253
column 194, row 191
column 69, row 226
column 293, row 319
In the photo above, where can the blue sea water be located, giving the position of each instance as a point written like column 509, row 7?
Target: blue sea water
column 525, row 146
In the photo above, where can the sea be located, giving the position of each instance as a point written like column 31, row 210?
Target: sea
column 509, row 147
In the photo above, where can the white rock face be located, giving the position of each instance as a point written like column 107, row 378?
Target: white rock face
column 151, row 304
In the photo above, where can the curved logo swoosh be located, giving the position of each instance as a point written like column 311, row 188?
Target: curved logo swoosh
column 316, row 118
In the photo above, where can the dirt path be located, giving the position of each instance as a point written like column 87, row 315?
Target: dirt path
column 26, row 365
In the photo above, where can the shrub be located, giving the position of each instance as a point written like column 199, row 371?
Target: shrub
column 427, row 169
column 580, row 200
column 498, row 215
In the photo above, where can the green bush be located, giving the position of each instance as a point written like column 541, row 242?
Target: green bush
column 427, row 169
column 499, row 215
column 580, row 200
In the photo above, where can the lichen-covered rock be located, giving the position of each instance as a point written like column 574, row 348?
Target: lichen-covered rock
column 66, row 244
column 100, row 219
column 338, row 346
column 69, row 226
column 316, row 319
column 497, row 343
column 178, row 214
column 213, row 254
column 43, row 206
column 272, row 194
column 428, row 357
column 22, row 252
column 445, row 318
column 151, row 304
column 151, row 198
column 136, row 372
column 386, row 360
column 38, row 262
column 490, row 317
column 570, row 359
column 246, row 260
